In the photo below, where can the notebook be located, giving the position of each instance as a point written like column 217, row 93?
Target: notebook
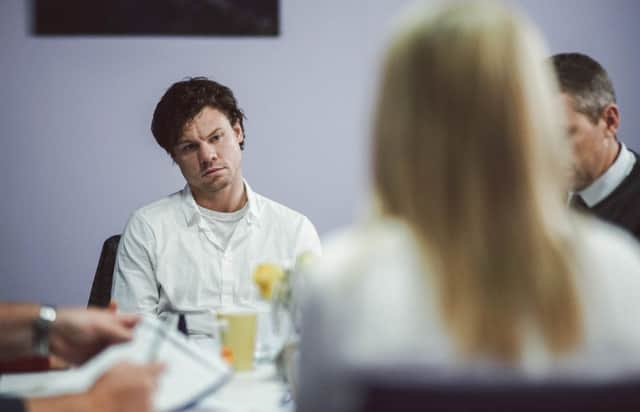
column 191, row 372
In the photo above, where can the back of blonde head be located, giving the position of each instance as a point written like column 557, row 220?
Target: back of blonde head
column 468, row 150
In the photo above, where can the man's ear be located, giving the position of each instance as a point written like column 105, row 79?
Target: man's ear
column 239, row 133
column 611, row 116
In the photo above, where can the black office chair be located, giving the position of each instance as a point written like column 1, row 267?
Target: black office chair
column 469, row 395
column 101, row 288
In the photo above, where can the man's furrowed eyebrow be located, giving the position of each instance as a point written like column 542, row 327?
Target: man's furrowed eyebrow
column 216, row 130
column 184, row 141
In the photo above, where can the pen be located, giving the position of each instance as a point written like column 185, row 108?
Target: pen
column 161, row 334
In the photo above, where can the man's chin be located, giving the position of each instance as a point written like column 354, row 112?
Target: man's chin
column 575, row 181
column 209, row 187
column 213, row 187
column 578, row 185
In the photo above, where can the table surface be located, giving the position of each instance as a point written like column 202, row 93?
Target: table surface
column 259, row 390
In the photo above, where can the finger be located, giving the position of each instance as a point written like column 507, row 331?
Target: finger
column 155, row 369
column 110, row 330
column 113, row 306
column 123, row 364
column 152, row 372
column 128, row 320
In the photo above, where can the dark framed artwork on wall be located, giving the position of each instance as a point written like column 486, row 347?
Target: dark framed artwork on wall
column 156, row 17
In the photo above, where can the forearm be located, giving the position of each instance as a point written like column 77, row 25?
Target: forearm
column 64, row 403
column 16, row 329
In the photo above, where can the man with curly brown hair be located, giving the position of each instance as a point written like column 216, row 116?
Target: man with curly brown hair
column 194, row 251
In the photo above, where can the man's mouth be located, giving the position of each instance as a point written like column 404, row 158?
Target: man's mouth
column 211, row 171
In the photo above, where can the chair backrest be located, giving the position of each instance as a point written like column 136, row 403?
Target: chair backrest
column 101, row 288
column 594, row 396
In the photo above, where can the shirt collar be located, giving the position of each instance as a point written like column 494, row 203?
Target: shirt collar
column 192, row 212
column 607, row 183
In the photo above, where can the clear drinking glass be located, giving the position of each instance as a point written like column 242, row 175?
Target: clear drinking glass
column 274, row 327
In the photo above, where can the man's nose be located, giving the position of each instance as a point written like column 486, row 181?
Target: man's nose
column 207, row 153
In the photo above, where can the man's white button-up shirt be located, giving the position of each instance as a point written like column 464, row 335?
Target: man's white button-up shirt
column 169, row 260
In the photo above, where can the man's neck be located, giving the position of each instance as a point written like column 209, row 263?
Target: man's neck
column 613, row 155
column 230, row 199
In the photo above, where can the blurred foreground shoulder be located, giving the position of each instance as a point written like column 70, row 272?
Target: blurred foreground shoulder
column 352, row 250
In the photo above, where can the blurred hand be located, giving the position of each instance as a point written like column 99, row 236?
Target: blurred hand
column 56, row 362
column 79, row 334
column 125, row 387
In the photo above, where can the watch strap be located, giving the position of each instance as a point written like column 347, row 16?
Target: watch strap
column 41, row 328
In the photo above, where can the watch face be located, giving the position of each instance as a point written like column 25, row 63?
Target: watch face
column 47, row 313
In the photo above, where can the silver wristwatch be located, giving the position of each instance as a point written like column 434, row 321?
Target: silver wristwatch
column 41, row 328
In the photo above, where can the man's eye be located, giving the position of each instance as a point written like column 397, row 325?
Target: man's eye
column 188, row 148
column 215, row 138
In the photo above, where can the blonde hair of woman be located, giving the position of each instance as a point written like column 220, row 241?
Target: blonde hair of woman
column 469, row 150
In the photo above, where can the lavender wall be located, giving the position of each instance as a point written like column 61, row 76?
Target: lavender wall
column 77, row 155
